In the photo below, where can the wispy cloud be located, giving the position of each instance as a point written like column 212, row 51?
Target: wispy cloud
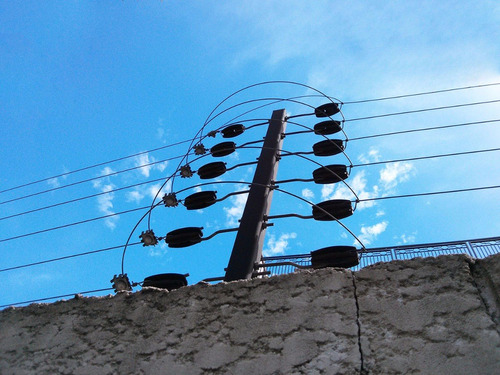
column 146, row 162
column 406, row 238
column 395, row 173
column 372, row 156
column 159, row 250
column 278, row 246
column 105, row 206
column 370, row 233
column 234, row 212
column 307, row 193
column 154, row 191
column 105, row 201
column 54, row 182
column 390, row 176
column 358, row 183
column 134, row 196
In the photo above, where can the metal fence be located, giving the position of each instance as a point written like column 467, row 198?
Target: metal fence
column 478, row 248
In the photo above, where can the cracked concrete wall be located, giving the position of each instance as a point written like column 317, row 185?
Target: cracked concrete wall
column 429, row 316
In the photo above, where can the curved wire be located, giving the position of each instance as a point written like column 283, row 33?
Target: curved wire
column 261, row 84
column 131, row 233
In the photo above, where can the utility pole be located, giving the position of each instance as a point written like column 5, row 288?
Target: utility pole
column 249, row 241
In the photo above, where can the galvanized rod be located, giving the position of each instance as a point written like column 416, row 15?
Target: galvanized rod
column 249, row 241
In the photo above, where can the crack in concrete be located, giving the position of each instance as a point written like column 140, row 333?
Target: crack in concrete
column 362, row 370
column 487, row 292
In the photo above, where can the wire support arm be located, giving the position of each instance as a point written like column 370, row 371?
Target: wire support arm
column 287, row 215
column 219, row 232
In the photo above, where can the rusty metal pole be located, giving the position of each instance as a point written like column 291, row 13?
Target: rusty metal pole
column 249, row 241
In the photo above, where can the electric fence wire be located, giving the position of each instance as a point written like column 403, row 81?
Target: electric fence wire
column 354, row 166
column 355, row 119
column 291, row 122
column 72, row 224
column 66, row 257
column 422, row 93
column 423, row 110
column 278, row 189
column 186, row 155
column 431, row 193
column 93, row 166
column 189, row 140
column 90, row 179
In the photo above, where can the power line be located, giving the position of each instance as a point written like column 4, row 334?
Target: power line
column 89, row 179
column 423, row 110
column 72, row 224
column 93, row 166
column 431, row 193
column 361, row 200
column 427, row 157
column 423, row 129
column 421, row 93
column 56, row 297
column 357, row 165
column 189, row 140
column 81, row 198
column 65, row 257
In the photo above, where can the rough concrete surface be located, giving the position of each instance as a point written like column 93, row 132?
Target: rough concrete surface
column 421, row 316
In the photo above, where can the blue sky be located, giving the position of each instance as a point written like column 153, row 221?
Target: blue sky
column 82, row 83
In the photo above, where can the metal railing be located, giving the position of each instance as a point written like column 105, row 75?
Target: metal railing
column 478, row 248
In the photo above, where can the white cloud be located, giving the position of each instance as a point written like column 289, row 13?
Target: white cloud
column 146, row 162
column 372, row 156
column 158, row 251
column 307, row 193
column 160, row 133
column 143, row 159
column 276, row 247
column 105, row 206
column 54, row 182
column 105, row 201
column 135, row 196
column 233, row 213
column 358, row 183
column 154, row 191
column 406, row 238
column 369, row 234
column 106, row 171
column 380, row 213
column 395, row 173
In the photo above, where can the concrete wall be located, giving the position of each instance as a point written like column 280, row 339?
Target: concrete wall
column 426, row 316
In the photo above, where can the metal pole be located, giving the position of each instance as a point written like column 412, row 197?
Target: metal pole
column 247, row 247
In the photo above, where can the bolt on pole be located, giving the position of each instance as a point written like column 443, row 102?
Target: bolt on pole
column 247, row 249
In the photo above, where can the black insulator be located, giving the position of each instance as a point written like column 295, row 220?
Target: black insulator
column 184, row 237
column 223, row 149
column 325, row 110
column 338, row 208
column 169, row 281
column 212, row 170
column 330, row 174
column 335, row 256
column 232, row 131
column 200, row 200
column 328, row 147
column 327, row 127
